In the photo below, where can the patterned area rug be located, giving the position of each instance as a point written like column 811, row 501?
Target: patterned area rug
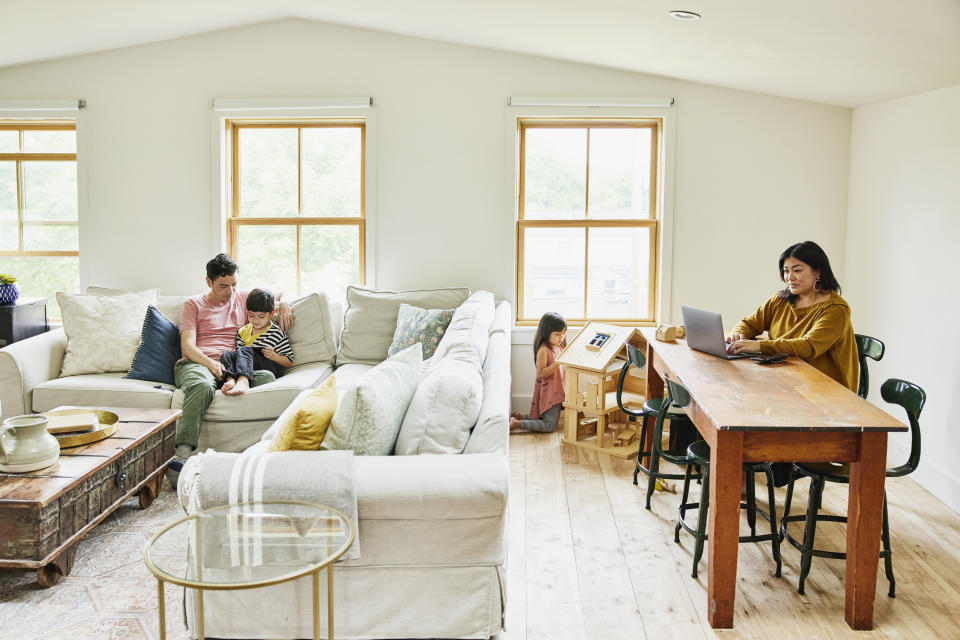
column 109, row 594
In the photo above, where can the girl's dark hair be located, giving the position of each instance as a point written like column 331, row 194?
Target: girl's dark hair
column 810, row 253
column 260, row 300
column 549, row 323
column 221, row 265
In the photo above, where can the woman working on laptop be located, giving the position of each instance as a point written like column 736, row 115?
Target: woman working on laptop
column 807, row 319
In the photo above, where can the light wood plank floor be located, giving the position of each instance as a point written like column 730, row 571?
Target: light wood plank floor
column 586, row 560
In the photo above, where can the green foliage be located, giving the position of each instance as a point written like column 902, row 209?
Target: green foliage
column 7, row 279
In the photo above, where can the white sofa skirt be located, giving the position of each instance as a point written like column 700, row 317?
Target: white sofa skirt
column 369, row 602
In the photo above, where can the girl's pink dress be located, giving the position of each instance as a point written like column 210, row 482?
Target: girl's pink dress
column 547, row 391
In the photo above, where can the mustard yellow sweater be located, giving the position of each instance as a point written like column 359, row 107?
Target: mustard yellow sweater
column 821, row 334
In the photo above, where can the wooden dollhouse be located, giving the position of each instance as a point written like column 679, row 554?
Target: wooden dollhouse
column 592, row 362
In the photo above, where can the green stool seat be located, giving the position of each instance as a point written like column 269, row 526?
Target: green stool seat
column 911, row 398
column 699, row 453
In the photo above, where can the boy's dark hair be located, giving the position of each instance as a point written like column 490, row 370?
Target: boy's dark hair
column 810, row 253
column 260, row 300
column 549, row 323
column 222, row 265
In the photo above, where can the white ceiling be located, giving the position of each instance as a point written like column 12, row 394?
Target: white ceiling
column 843, row 52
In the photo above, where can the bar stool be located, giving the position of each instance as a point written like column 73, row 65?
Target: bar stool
column 682, row 431
column 867, row 347
column 698, row 453
column 911, row 398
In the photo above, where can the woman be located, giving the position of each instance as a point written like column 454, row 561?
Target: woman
column 807, row 319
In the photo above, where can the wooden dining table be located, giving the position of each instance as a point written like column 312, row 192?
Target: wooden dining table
column 784, row 412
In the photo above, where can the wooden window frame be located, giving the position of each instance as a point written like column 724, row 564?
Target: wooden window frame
column 586, row 223
column 235, row 221
column 19, row 158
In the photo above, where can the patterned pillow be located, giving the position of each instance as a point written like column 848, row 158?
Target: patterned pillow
column 425, row 326
column 102, row 331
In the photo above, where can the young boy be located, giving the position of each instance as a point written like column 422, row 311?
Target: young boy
column 261, row 344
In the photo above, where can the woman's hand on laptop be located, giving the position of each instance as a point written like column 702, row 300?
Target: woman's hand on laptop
column 743, row 346
column 734, row 337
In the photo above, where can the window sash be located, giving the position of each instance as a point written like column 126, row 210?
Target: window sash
column 235, row 221
column 19, row 158
column 587, row 223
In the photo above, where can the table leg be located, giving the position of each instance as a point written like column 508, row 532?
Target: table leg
column 864, row 516
column 330, row 602
column 161, row 610
column 315, row 580
column 652, row 388
column 723, row 527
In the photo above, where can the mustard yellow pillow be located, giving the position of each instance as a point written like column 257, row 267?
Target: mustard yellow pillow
column 306, row 426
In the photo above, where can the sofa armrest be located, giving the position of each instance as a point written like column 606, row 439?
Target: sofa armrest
column 438, row 487
column 27, row 363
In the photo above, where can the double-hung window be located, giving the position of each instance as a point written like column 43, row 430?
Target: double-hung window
column 588, row 224
column 295, row 220
column 39, row 239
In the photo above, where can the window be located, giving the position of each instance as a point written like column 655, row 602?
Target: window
column 296, row 216
column 38, row 208
column 587, row 227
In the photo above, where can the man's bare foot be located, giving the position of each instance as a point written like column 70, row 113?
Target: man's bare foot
column 227, row 385
column 242, row 386
column 515, row 425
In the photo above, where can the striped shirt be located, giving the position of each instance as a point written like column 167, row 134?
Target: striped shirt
column 273, row 337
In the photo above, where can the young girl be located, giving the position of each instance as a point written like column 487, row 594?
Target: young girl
column 548, row 392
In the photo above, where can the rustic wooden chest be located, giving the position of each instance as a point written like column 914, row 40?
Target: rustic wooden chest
column 44, row 514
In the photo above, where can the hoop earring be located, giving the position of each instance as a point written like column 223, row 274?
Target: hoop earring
column 816, row 285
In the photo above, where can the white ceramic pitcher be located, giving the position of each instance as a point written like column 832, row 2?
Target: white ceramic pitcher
column 25, row 444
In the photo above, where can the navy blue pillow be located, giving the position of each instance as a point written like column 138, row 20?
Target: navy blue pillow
column 159, row 349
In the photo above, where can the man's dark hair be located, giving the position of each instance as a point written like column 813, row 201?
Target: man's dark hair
column 816, row 258
column 222, row 265
column 260, row 300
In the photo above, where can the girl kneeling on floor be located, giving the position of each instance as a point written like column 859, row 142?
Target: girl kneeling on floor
column 548, row 391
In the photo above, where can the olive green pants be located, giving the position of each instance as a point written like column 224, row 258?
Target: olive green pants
column 199, row 386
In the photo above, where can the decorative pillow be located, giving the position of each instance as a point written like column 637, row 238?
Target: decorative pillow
column 425, row 326
column 311, row 336
column 370, row 319
column 159, row 349
column 304, row 429
column 443, row 410
column 150, row 294
column 468, row 335
column 102, row 331
column 369, row 415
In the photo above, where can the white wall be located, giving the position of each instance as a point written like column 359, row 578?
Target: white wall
column 749, row 168
column 903, row 227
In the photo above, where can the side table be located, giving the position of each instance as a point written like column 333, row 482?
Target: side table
column 25, row 318
column 249, row 545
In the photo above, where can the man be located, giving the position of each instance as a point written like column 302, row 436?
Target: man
column 208, row 327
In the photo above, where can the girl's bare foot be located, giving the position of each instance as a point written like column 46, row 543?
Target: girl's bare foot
column 227, row 385
column 516, row 415
column 515, row 425
column 242, row 386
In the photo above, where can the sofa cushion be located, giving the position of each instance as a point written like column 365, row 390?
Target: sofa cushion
column 349, row 375
column 150, row 294
column 443, row 410
column 370, row 319
column 414, row 325
column 101, row 390
column 305, row 427
column 171, row 306
column 469, row 331
column 102, row 331
column 265, row 402
column 311, row 335
column 369, row 415
column 491, row 433
column 159, row 349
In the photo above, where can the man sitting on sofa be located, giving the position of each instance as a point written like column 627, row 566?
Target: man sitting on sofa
column 208, row 327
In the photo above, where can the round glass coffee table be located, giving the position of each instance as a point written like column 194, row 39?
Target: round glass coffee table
column 249, row 545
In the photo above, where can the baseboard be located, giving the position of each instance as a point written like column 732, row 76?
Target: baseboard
column 942, row 484
column 521, row 402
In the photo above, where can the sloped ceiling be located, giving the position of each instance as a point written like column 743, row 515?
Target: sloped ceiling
column 841, row 52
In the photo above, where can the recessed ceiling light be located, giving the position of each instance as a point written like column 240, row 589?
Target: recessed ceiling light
column 685, row 15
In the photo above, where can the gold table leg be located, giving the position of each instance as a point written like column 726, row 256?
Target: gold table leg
column 329, row 601
column 315, row 580
column 162, row 610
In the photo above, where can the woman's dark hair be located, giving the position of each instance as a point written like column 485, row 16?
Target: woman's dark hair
column 810, row 253
column 549, row 323
column 220, row 266
column 260, row 300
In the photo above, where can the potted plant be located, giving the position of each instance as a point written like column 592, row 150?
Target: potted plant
column 9, row 291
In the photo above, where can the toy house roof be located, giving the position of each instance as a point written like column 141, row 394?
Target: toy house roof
column 578, row 355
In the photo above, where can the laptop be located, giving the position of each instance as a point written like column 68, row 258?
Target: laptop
column 705, row 333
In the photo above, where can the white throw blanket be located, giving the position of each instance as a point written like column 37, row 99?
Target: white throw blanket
column 212, row 479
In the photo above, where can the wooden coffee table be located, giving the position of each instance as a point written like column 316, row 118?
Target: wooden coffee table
column 44, row 514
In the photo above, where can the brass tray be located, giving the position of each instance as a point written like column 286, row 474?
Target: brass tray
column 107, row 428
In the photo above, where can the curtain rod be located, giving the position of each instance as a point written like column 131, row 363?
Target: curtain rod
column 590, row 102
column 43, row 105
column 293, row 104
